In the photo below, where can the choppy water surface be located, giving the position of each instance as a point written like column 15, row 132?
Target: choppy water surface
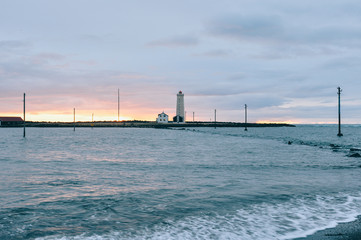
column 224, row 183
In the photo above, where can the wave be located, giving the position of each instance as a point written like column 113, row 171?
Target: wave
column 312, row 136
column 296, row 218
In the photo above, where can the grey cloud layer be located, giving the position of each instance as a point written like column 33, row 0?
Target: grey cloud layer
column 278, row 56
column 276, row 30
column 177, row 41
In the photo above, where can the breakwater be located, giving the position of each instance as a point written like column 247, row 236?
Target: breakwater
column 152, row 124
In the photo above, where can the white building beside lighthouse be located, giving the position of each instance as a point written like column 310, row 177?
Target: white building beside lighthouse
column 162, row 118
column 179, row 118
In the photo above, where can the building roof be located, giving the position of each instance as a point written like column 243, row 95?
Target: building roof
column 164, row 114
column 11, row 119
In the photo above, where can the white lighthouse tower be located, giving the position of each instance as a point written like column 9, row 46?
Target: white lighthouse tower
column 179, row 118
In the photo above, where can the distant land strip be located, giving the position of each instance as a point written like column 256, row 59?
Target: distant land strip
column 150, row 124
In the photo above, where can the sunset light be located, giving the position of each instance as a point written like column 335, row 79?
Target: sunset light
column 180, row 120
column 220, row 58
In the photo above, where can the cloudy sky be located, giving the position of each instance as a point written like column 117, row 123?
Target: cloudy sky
column 284, row 59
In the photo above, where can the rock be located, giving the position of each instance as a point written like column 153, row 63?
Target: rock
column 355, row 155
column 289, row 142
column 334, row 234
column 355, row 149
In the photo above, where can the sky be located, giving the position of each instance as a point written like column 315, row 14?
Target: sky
column 284, row 59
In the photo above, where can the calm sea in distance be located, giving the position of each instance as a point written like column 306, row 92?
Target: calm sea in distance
column 202, row 183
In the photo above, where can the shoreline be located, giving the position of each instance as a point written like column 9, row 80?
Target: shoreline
column 147, row 124
column 342, row 231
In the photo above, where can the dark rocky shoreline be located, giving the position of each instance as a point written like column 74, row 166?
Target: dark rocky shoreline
column 343, row 231
column 150, row 124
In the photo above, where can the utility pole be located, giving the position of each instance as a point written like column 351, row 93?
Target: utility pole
column 339, row 112
column 118, row 104
column 215, row 118
column 245, row 117
column 74, row 119
column 92, row 124
column 24, row 116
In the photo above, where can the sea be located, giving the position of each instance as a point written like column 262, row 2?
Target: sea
column 186, row 183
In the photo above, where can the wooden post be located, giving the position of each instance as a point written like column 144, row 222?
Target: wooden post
column 118, row 104
column 215, row 118
column 339, row 112
column 24, row 116
column 92, row 124
column 245, row 117
column 74, row 119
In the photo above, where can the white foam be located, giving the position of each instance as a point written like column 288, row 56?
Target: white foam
column 293, row 219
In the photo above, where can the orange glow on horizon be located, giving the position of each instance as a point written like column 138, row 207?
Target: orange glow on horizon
column 141, row 115
column 297, row 122
column 44, row 117
column 285, row 122
column 80, row 116
column 84, row 114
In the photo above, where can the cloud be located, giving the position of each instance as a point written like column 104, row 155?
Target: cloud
column 235, row 101
column 214, row 53
column 337, row 34
column 44, row 58
column 295, row 52
column 92, row 38
column 342, row 63
column 250, row 28
column 237, row 76
column 13, row 44
column 177, row 41
column 259, row 101
column 279, row 31
column 131, row 76
column 212, row 92
column 77, row 85
column 11, row 49
column 278, row 56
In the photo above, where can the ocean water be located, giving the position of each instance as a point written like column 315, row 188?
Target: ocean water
column 203, row 183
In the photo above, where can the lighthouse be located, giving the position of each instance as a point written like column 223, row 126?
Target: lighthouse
column 179, row 118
